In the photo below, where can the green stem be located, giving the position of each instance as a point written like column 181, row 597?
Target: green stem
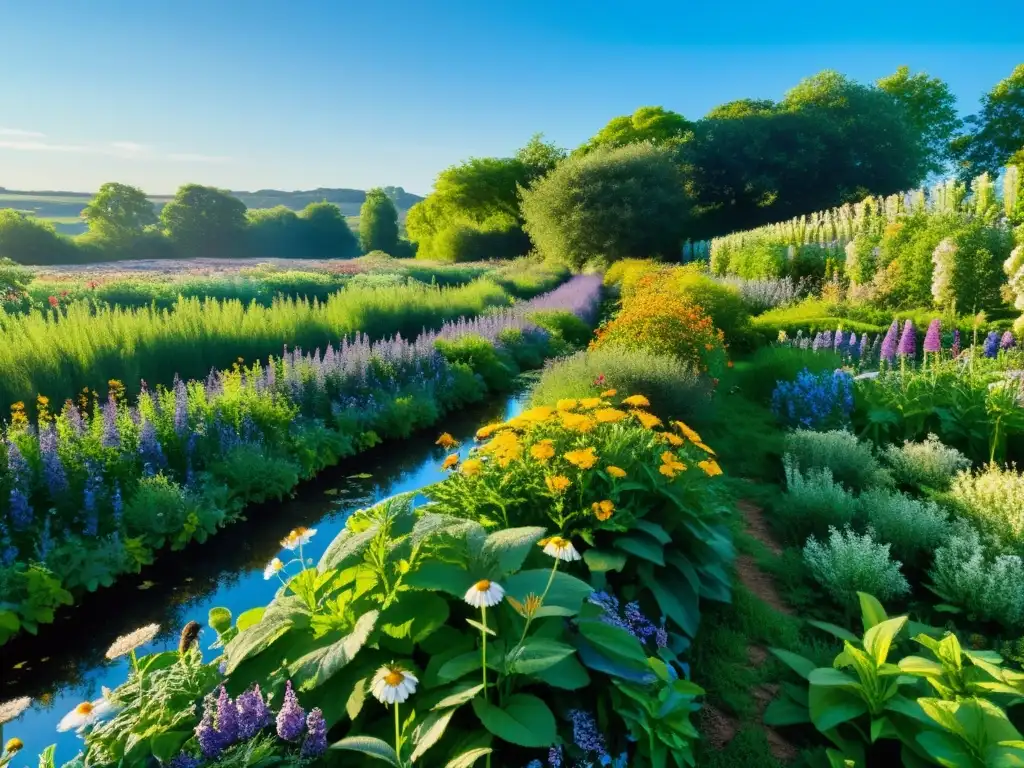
column 398, row 736
column 483, row 652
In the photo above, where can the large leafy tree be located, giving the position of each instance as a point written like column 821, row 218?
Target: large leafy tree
column 378, row 223
column 539, row 157
column 119, row 213
column 742, row 108
column 611, row 203
column 205, row 221
column 656, row 125
column 326, row 234
column 996, row 132
column 931, row 108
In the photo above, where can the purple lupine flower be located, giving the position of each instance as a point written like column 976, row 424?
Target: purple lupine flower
column 932, row 340
column 21, row 512
column 207, row 736
column 1007, row 342
column 863, row 346
column 826, row 339
column 991, row 346
column 555, row 756
column 291, row 719
column 111, row 435
column 227, row 718
column 851, row 343
column 253, row 713
column 150, row 452
column 839, row 341
column 16, row 463
column 185, row 760
column 908, row 341
column 955, row 349
column 90, row 499
column 180, row 407
column 889, row 342
column 74, row 417
column 585, row 733
column 316, row 735
column 53, row 468
column 816, row 344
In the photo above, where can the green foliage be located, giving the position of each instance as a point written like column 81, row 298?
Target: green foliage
column 992, row 499
column 995, row 132
column 609, row 204
column 772, row 364
column 928, row 463
column 655, row 125
column 26, row 240
column 849, row 563
column 675, row 390
column 913, row 528
column 326, row 234
column 497, row 369
column 563, row 325
column 813, row 503
column 931, row 108
column 119, row 214
column 378, row 223
column 851, row 461
column 204, row 221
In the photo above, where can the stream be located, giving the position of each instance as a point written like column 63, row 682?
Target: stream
column 65, row 665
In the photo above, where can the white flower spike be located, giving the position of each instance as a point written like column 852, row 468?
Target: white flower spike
column 272, row 568
column 85, row 714
column 560, row 548
column 485, row 594
column 298, row 538
column 393, row 685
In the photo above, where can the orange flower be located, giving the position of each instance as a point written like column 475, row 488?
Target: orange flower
column 649, row 420
column 638, row 401
column 471, row 467
column 688, row 433
column 609, row 393
column 584, row 459
column 538, row 414
column 704, row 448
column 729, row 364
column 566, row 404
column 486, row 431
column 590, row 403
column 450, row 462
column 710, row 467
column 447, row 441
column 670, row 464
column 675, row 440
column 543, row 450
column 603, row 509
column 577, row 422
column 609, row 415
column 614, row 471
column 668, row 457
column 557, row 484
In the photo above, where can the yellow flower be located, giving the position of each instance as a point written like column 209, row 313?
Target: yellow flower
column 705, row 448
column 609, row 393
column 557, row 484
column 471, row 467
column 450, row 462
column 603, row 509
column 538, row 414
column 688, row 433
column 670, row 470
column 584, row 459
column 649, row 420
column 566, row 404
column 710, row 467
column 668, row 457
column 486, row 431
column 577, row 422
column 543, row 450
column 675, row 440
column 14, row 745
column 590, row 402
column 446, row 441
column 609, row 415
column 615, row 471
column 518, row 423
column 638, row 401
column 505, row 447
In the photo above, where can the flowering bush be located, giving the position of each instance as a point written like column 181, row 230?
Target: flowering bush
column 814, row 401
column 926, row 463
column 993, row 500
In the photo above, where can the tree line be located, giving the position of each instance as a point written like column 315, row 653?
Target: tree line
column 202, row 221
column 646, row 182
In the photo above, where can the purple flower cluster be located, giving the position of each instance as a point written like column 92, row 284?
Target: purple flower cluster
column 151, row 453
column 291, row 719
column 253, row 713
column 932, row 339
column 1007, row 341
column 889, row 342
column 315, row 743
column 630, row 619
column 991, row 346
column 21, row 513
column 580, row 295
column 227, row 722
column 111, row 434
column 955, row 349
column 814, row 401
column 53, row 468
column 586, row 735
column 908, row 341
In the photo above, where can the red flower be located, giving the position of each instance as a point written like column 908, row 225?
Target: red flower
column 53, row 301
column 63, row 294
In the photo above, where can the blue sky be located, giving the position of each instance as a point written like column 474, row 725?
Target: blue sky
column 302, row 94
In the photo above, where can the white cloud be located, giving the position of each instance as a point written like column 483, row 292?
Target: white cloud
column 22, row 133
column 42, row 146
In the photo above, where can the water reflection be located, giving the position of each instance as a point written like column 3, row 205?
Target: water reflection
column 66, row 665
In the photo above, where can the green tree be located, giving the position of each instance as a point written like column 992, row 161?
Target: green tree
column 27, row 240
column 996, row 132
column 612, row 203
column 205, row 221
column 539, row 157
column 326, row 233
column 275, row 233
column 378, row 222
column 656, row 125
column 119, row 213
column 931, row 107
column 742, row 108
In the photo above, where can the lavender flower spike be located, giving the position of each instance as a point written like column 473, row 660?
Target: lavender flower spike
column 932, row 340
column 316, row 735
column 227, row 718
column 991, row 346
column 291, row 719
column 908, row 341
column 1008, row 341
column 955, row 349
column 889, row 342
column 253, row 714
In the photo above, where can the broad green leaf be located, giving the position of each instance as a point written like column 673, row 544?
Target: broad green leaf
column 675, row 597
column 537, row 654
column 643, row 546
column 166, row 746
column 505, row 551
column 568, row 674
column 602, row 560
column 614, row 641
column 653, row 530
column 830, row 707
column 871, row 610
column 322, row 663
column 442, row 577
column 346, row 549
column 524, row 720
column 249, row 618
column 878, row 639
column 255, row 639
column 945, row 749
column 565, row 597
column 369, row 746
column 826, row 676
column 836, row 631
column 461, row 665
column 415, row 616
column 219, row 620
column 459, row 695
column 46, row 756
column 429, row 731
column 466, row 759
column 797, row 663
column 920, row 667
column 785, row 712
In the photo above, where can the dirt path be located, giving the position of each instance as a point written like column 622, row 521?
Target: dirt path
column 719, row 728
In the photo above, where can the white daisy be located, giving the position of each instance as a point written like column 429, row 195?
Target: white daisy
column 128, row 643
column 560, row 548
column 485, row 594
column 393, row 685
column 272, row 568
column 13, row 708
column 298, row 538
column 85, row 714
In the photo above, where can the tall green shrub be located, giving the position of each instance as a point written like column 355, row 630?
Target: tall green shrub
column 378, row 222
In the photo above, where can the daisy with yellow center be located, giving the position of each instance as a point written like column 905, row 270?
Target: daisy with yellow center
column 557, row 484
column 566, row 404
column 85, row 714
column 710, row 467
column 450, row 462
column 298, row 538
column 589, row 403
column 273, row 568
column 559, row 548
column 485, row 594
column 577, row 422
column 603, row 509
column 637, row 401
column 609, row 415
column 688, row 433
column 447, row 442
column 393, row 685
column 614, row 471
column 543, row 450
column 609, row 393
column 471, row 467
column 584, row 459
column 649, row 420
